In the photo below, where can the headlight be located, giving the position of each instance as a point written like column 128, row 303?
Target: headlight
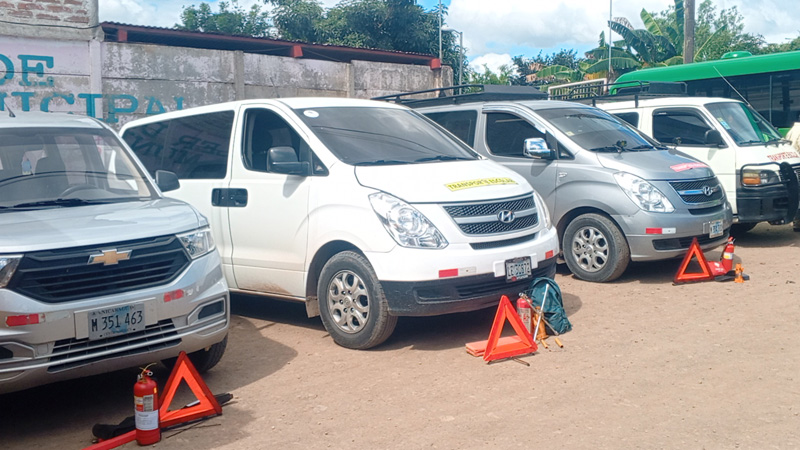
column 198, row 242
column 8, row 264
column 542, row 207
column 644, row 194
column 756, row 177
column 408, row 227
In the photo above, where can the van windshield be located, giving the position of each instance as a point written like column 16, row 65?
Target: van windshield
column 62, row 167
column 743, row 124
column 596, row 130
column 383, row 136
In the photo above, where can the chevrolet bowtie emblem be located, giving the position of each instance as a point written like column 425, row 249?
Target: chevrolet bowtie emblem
column 109, row 257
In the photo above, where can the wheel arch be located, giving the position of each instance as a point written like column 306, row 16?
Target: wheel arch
column 322, row 256
column 571, row 215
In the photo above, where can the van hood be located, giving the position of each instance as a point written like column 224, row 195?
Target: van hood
column 754, row 154
column 45, row 229
column 656, row 165
column 442, row 182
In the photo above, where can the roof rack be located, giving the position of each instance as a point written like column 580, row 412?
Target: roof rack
column 629, row 90
column 472, row 93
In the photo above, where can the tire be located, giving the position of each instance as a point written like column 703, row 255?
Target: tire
column 203, row 360
column 352, row 304
column 739, row 229
column 595, row 248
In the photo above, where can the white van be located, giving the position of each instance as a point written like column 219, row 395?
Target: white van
column 364, row 210
column 98, row 271
column 757, row 167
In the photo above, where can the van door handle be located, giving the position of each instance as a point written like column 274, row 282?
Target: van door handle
column 562, row 174
column 229, row 197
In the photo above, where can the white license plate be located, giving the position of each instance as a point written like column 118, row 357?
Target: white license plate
column 518, row 268
column 116, row 321
column 715, row 228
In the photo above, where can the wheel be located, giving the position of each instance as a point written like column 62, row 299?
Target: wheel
column 595, row 249
column 352, row 304
column 739, row 229
column 203, row 360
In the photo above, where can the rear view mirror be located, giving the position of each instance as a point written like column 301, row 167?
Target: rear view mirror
column 713, row 137
column 284, row 160
column 167, row 181
column 537, row 148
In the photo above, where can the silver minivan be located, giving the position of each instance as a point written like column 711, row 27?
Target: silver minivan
column 98, row 271
column 615, row 194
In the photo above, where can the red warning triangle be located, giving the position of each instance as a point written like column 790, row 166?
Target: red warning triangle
column 705, row 274
column 207, row 404
column 520, row 344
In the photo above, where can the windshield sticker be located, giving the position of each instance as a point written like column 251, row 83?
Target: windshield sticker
column 459, row 185
column 26, row 167
column 723, row 123
column 311, row 113
column 569, row 133
column 783, row 155
column 686, row 166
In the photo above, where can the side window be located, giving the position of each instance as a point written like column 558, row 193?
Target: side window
column 194, row 147
column 264, row 130
column 632, row 118
column 506, row 134
column 460, row 123
column 679, row 127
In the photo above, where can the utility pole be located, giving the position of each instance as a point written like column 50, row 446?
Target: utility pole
column 688, row 31
column 440, row 30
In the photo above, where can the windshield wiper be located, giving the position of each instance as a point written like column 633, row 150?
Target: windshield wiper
column 642, row 147
column 442, row 158
column 57, row 202
column 607, row 148
column 382, row 162
column 752, row 142
column 778, row 141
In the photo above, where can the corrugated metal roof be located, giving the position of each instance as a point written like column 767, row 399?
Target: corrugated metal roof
column 120, row 32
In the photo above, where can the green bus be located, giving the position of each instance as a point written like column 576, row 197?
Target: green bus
column 769, row 83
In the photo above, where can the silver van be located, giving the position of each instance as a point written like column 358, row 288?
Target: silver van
column 98, row 271
column 615, row 194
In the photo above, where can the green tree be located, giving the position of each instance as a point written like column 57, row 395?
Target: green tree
column 503, row 76
column 231, row 19
column 298, row 20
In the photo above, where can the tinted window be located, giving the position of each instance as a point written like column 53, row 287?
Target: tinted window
column 679, row 127
column 596, row 130
column 742, row 123
column 374, row 135
column 194, row 147
column 631, row 118
column 265, row 129
column 506, row 134
column 460, row 123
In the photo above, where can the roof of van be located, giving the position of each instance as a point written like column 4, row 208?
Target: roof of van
column 46, row 119
column 664, row 101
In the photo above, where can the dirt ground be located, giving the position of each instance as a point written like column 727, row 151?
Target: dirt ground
column 647, row 365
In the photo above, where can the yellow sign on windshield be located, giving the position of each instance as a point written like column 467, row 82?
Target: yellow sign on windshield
column 459, row 185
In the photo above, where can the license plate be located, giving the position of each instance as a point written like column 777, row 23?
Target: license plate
column 715, row 228
column 518, row 268
column 116, row 321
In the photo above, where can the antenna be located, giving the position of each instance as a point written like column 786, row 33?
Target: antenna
column 10, row 113
column 731, row 86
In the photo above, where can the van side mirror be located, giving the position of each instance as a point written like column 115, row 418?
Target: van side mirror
column 167, row 181
column 537, row 148
column 713, row 137
column 284, row 160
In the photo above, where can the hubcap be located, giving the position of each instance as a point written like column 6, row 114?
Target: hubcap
column 348, row 302
column 590, row 249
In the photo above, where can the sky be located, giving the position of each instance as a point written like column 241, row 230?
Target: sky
column 495, row 31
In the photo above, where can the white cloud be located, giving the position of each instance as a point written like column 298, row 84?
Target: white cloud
column 492, row 60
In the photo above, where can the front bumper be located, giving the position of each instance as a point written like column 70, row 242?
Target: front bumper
column 461, row 294
column 766, row 204
column 677, row 231
column 58, row 347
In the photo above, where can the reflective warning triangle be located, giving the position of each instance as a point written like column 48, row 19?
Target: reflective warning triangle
column 520, row 344
column 207, row 404
column 705, row 274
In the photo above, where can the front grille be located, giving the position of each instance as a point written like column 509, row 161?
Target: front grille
column 63, row 275
column 685, row 242
column 694, row 192
column 484, row 218
column 706, row 211
column 503, row 243
column 143, row 341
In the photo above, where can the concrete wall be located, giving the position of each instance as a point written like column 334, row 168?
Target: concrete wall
column 122, row 81
column 59, row 19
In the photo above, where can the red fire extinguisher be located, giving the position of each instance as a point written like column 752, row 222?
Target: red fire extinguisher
column 727, row 256
column 524, row 311
column 145, row 400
